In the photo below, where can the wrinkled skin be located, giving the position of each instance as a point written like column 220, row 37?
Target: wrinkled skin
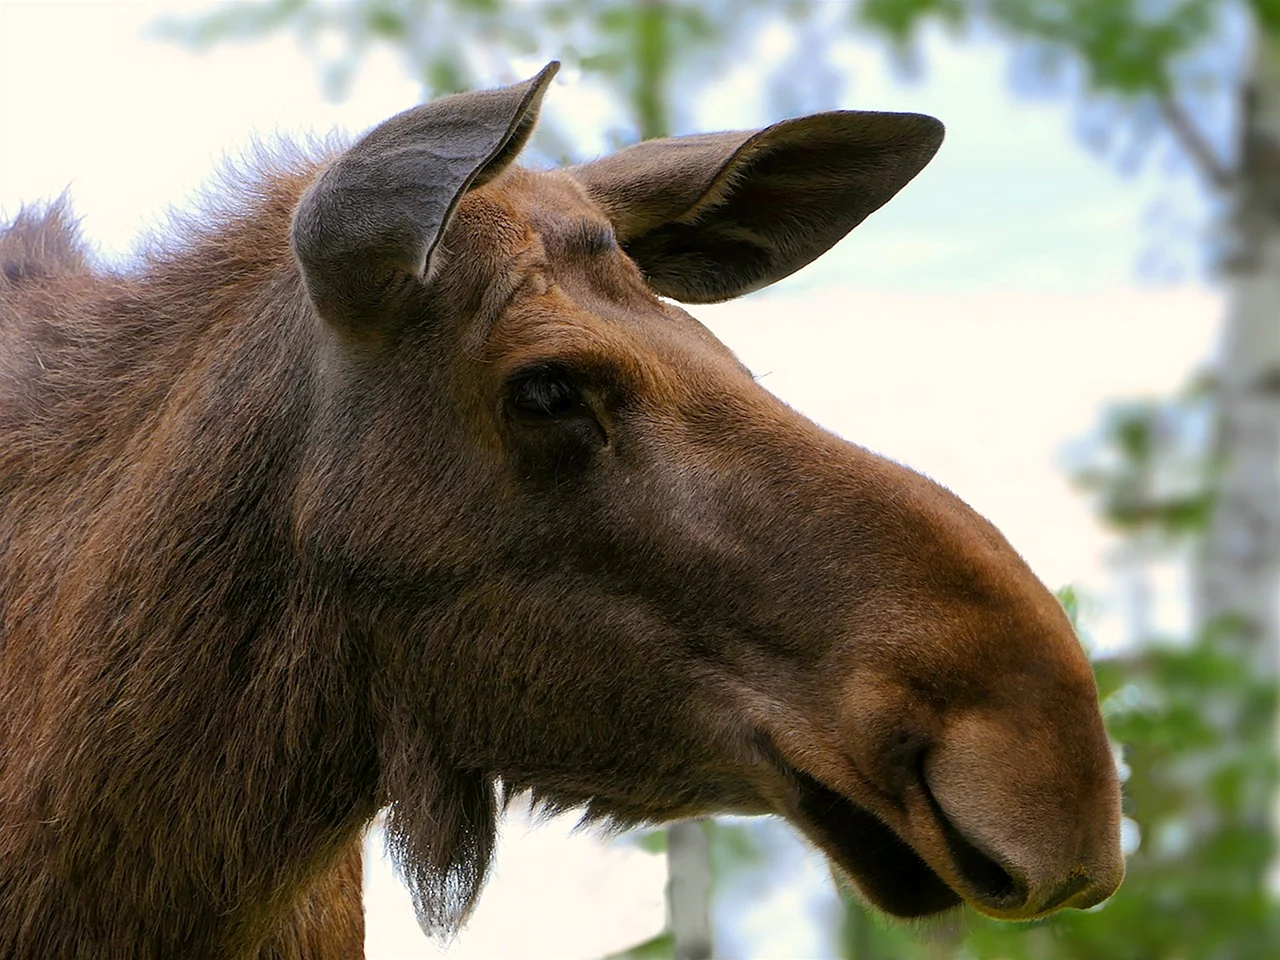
column 402, row 483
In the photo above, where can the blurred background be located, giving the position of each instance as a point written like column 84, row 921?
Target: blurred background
column 1071, row 319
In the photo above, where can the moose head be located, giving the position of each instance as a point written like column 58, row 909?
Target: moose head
column 406, row 484
column 598, row 561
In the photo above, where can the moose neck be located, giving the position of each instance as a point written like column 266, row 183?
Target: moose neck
column 211, row 691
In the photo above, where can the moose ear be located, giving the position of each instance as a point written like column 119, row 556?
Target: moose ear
column 374, row 217
column 714, row 216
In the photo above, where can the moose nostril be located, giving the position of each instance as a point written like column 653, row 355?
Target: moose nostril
column 986, row 877
column 1078, row 881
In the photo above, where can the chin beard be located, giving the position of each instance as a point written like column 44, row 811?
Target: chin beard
column 441, row 832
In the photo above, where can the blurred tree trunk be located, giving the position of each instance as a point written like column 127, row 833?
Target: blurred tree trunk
column 689, row 890
column 653, row 69
column 1238, row 584
column 1238, row 577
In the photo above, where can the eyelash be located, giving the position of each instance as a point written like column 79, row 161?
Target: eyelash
column 546, row 394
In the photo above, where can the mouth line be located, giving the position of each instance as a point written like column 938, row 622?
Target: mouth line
column 886, row 869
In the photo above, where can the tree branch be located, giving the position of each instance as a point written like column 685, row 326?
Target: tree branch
column 1193, row 141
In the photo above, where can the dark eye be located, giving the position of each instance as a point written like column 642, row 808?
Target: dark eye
column 545, row 395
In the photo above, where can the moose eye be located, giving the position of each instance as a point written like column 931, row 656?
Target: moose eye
column 545, row 395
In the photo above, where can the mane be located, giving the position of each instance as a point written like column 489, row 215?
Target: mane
column 41, row 243
column 248, row 199
column 92, row 350
column 150, row 427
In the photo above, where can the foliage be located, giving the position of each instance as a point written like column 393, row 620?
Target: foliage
column 641, row 53
column 1152, row 477
column 659, row 947
column 1128, row 47
column 652, row 57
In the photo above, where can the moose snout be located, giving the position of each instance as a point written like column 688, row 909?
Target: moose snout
column 1082, row 887
column 1055, row 841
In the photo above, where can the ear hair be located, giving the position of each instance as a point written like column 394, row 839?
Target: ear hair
column 374, row 217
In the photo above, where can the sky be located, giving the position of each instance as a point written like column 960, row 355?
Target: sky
column 971, row 329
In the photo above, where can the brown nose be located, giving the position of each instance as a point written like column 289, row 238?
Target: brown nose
column 1049, row 821
column 1080, row 889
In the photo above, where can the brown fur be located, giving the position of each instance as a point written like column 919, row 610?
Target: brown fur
column 280, row 548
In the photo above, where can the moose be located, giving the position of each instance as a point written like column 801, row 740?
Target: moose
column 399, row 482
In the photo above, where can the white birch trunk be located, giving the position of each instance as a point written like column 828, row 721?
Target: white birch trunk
column 1239, row 576
column 1238, row 580
column 689, row 889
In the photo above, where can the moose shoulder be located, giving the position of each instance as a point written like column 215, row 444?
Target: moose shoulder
column 403, row 484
